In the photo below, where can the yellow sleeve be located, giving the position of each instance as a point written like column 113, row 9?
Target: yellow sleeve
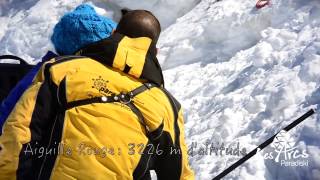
column 16, row 132
column 186, row 171
column 173, row 162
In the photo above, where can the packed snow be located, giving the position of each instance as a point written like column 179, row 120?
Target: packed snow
column 240, row 73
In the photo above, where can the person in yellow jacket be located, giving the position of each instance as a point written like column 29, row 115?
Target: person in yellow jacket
column 102, row 113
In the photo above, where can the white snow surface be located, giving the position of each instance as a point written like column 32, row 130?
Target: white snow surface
column 240, row 73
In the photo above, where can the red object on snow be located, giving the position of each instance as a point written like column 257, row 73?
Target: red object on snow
column 262, row 3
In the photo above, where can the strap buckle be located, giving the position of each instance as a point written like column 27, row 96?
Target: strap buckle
column 124, row 98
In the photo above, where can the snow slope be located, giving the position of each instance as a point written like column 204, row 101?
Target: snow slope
column 240, row 73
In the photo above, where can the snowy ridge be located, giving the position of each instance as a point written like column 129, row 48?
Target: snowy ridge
column 240, row 73
column 253, row 73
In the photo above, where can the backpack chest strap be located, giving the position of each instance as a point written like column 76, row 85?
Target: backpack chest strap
column 125, row 98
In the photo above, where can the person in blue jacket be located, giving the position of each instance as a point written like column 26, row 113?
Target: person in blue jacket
column 90, row 27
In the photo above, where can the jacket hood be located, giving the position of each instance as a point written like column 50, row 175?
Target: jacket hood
column 133, row 56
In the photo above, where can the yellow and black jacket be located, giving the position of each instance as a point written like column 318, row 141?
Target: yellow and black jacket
column 101, row 115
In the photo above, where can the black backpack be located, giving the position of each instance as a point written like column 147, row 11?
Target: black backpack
column 11, row 74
